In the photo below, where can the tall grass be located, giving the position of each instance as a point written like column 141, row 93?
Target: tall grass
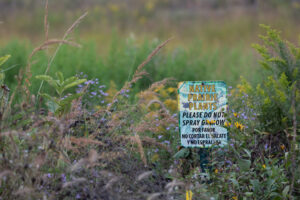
column 192, row 63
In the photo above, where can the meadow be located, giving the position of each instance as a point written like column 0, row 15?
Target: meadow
column 89, row 105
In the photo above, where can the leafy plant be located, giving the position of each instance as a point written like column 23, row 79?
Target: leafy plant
column 4, row 91
column 261, row 160
column 61, row 104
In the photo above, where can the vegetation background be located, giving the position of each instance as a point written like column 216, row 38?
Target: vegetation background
column 104, row 124
column 211, row 38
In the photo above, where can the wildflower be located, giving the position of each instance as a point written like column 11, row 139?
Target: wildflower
column 159, row 137
column 227, row 124
column 216, row 171
column 239, row 126
column 189, row 195
column 282, row 146
column 266, row 146
column 264, row 166
column 93, row 93
column 78, row 196
column 171, row 89
column 167, row 142
column 229, row 162
column 89, row 82
column 63, row 177
column 155, row 157
column 235, row 114
column 235, row 198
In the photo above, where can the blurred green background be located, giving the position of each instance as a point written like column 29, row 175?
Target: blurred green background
column 212, row 38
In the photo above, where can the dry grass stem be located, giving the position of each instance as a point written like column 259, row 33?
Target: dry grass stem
column 138, row 74
column 74, row 182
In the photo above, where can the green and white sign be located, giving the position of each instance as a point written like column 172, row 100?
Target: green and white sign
column 202, row 105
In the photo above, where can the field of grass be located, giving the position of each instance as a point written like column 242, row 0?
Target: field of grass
column 123, row 56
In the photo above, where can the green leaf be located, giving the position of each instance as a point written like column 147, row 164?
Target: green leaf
column 256, row 185
column 52, row 106
column 285, row 191
column 183, row 153
column 74, row 83
column 49, row 80
column 248, row 194
column 60, row 77
column 47, row 96
column 69, row 80
column 4, row 59
column 244, row 164
column 235, row 182
column 248, row 152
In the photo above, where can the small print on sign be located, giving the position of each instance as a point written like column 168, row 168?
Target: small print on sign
column 202, row 105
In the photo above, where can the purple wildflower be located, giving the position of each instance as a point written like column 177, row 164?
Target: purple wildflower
column 266, row 146
column 229, row 162
column 64, row 179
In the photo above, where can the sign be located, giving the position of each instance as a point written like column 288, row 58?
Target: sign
column 202, row 105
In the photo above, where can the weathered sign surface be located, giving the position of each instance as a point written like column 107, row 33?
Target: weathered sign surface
column 202, row 105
